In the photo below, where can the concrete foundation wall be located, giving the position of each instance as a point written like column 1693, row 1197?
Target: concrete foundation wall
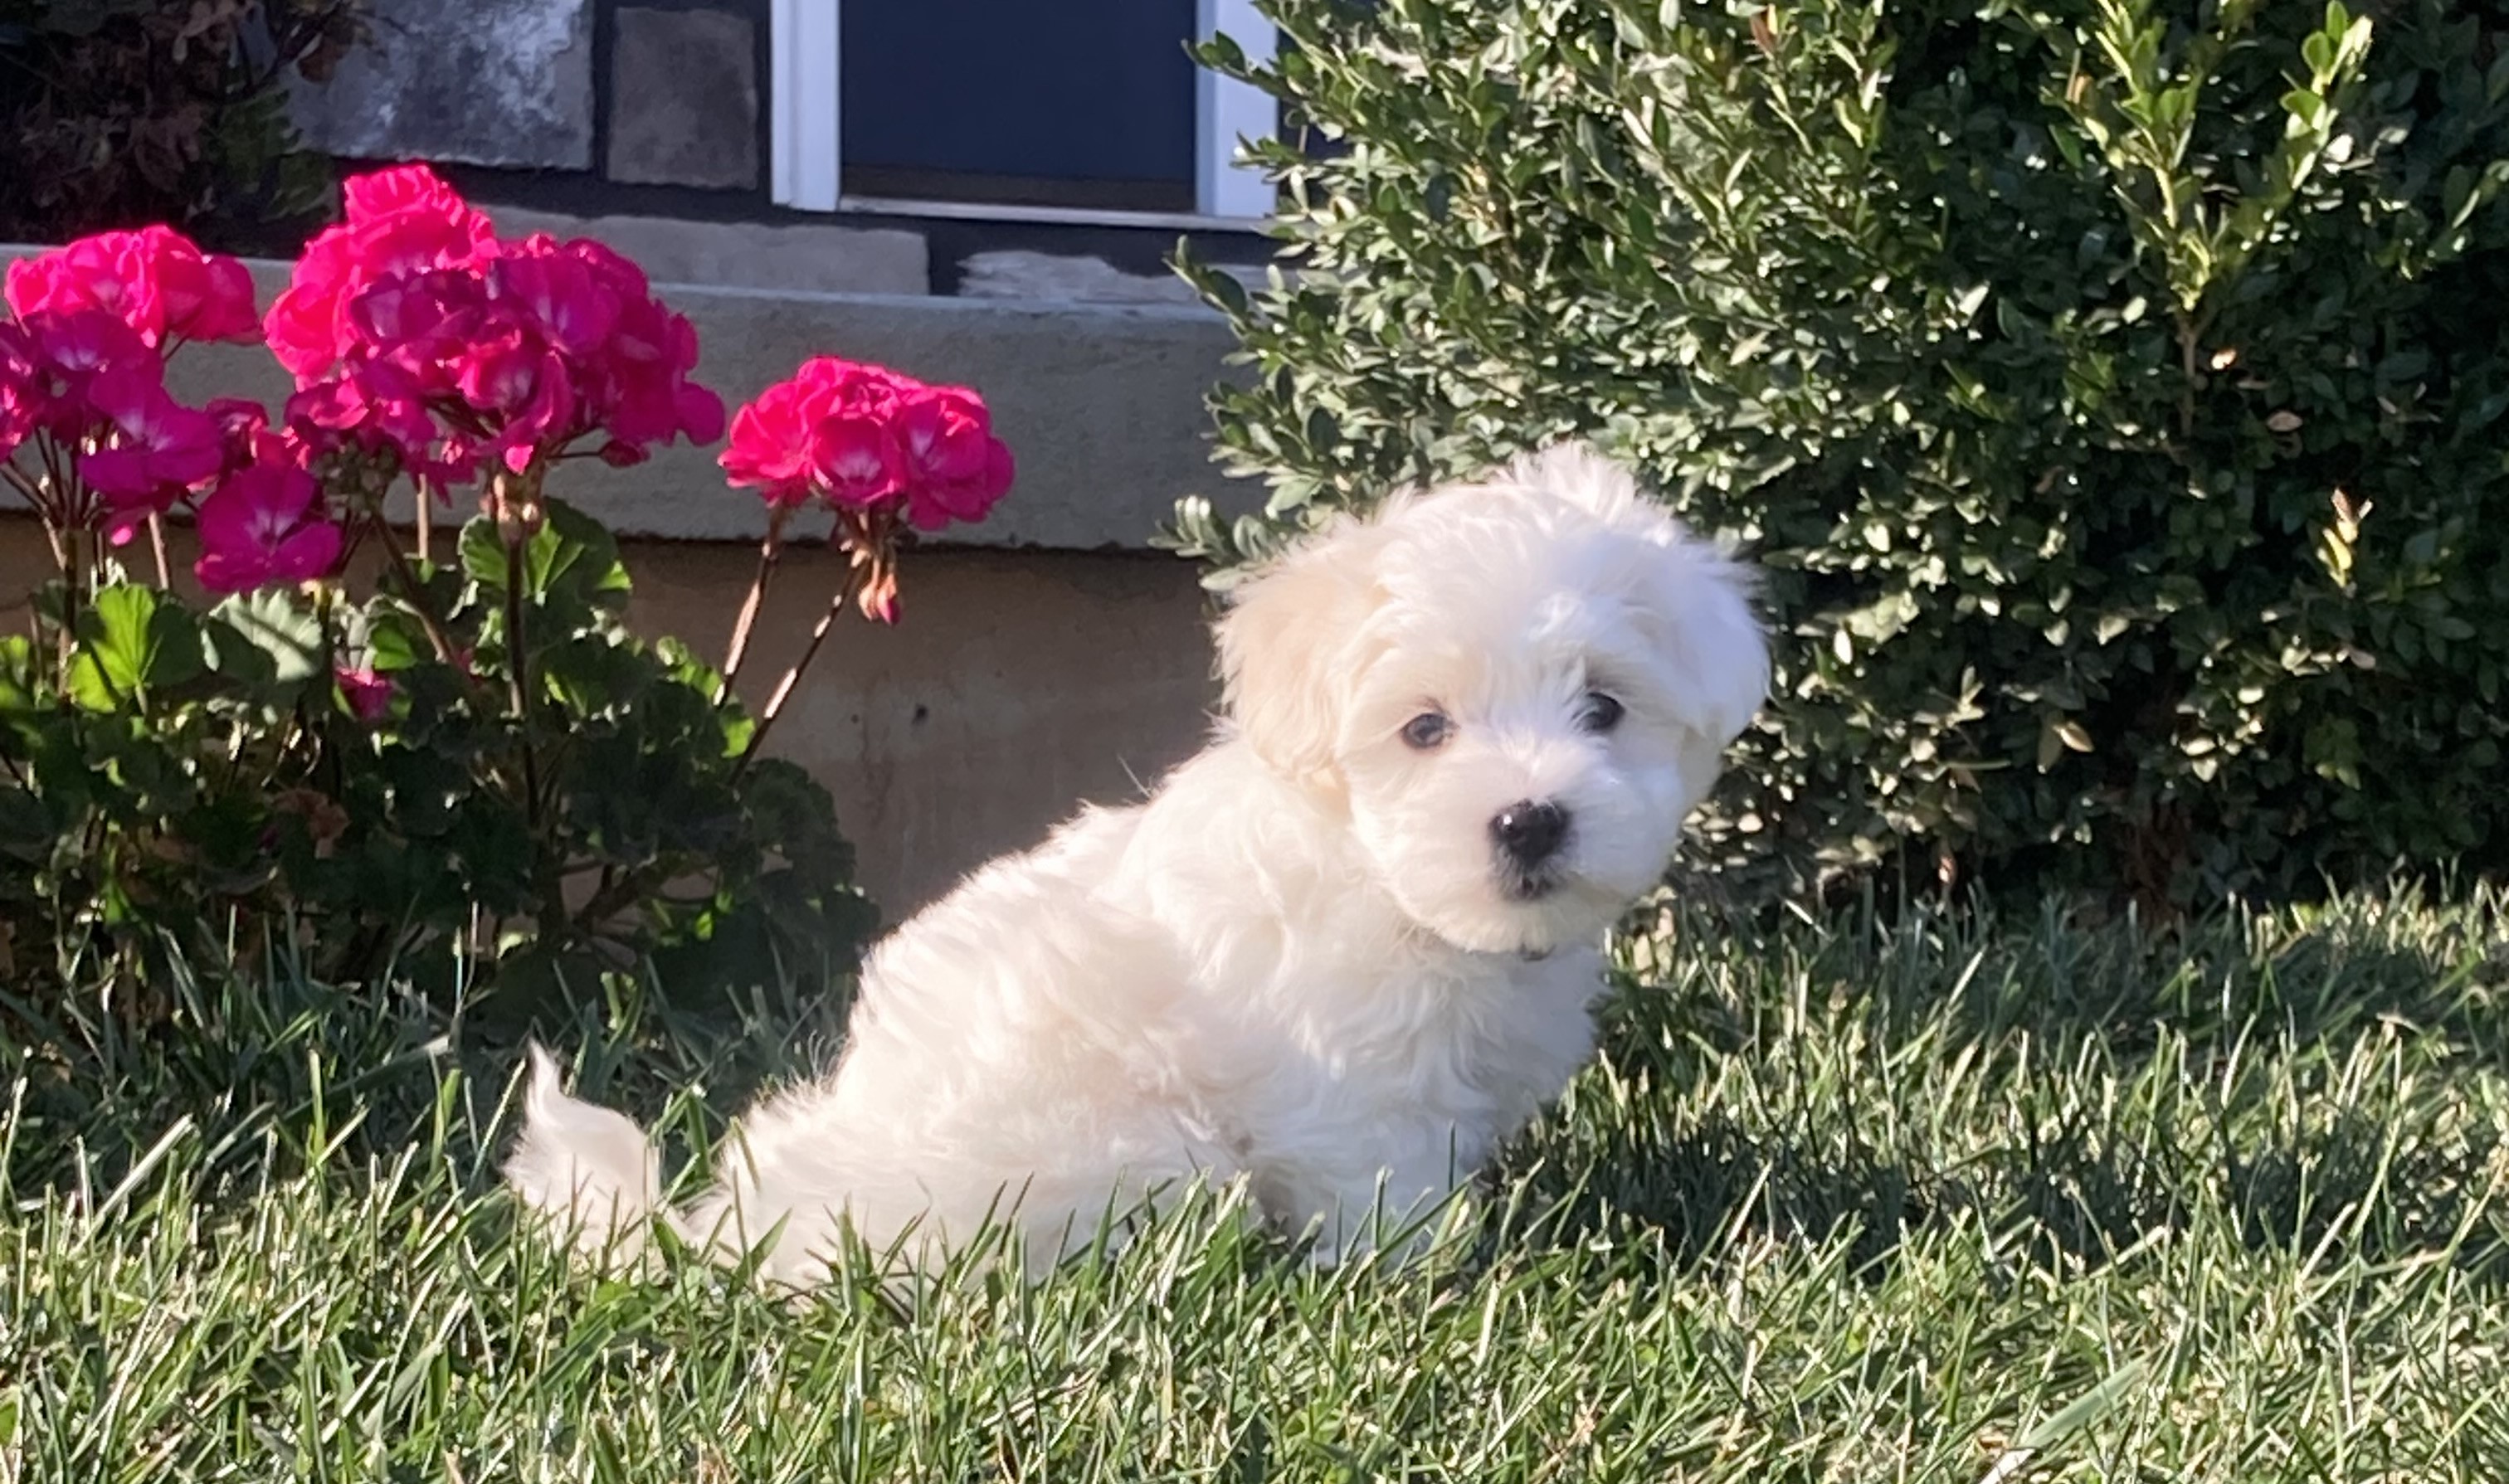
column 1018, row 687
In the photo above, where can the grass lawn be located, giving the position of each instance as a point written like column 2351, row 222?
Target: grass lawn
column 1840, row 1203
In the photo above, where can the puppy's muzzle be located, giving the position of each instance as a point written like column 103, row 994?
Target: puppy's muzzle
column 1529, row 835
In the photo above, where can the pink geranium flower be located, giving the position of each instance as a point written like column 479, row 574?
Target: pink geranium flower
column 955, row 469
column 155, row 280
column 557, row 291
column 936, row 505
column 399, row 222
column 263, row 526
column 771, row 446
column 641, row 389
column 855, row 460
column 21, row 405
column 519, row 385
column 209, row 298
column 244, row 434
column 64, row 351
column 512, row 350
column 94, row 273
column 421, row 323
column 380, row 410
column 156, row 448
column 629, row 356
column 824, row 432
column 400, row 191
column 867, row 439
column 369, row 695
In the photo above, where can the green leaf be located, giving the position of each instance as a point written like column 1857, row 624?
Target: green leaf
column 267, row 635
column 571, row 563
column 573, row 558
column 130, row 642
column 396, row 639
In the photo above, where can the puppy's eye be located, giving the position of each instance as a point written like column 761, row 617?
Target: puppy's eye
column 1599, row 711
column 1427, row 731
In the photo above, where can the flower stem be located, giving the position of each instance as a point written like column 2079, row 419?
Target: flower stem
column 414, row 593
column 515, row 518
column 38, row 493
column 792, row 677
column 74, row 564
column 769, row 552
column 157, row 542
column 517, row 653
column 46, row 492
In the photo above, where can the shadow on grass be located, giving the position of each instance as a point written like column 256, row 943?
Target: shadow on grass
column 2323, row 1081
column 2327, row 1082
column 245, row 1055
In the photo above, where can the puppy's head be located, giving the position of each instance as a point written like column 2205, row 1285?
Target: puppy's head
column 1515, row 689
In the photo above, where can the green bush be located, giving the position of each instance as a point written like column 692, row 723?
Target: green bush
column 117, row 113
column 177, row 777
column 2112, row 393
column 373, row 753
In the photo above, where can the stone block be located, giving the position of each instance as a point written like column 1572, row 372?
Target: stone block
column 1017, row 684
column 488, row 82
column 806, row 257
column 684, row 99
column 1065, row 278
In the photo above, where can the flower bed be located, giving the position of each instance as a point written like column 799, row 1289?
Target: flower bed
column 471, row 751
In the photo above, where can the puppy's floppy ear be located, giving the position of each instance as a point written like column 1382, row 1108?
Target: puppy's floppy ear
column 1713, row 655
column 1286, row 641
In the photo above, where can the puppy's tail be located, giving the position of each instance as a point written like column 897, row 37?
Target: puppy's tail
column 590, row 1170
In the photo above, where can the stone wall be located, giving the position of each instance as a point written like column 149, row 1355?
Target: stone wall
column 646, row 123
column 645, row 95
column 683, row 98
column 488, row 82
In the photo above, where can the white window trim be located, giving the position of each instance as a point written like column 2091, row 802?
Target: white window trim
column 809, row 159
column 802, row 40
column 1226, row 111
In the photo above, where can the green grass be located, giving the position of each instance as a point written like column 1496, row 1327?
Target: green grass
column 1840, row 1203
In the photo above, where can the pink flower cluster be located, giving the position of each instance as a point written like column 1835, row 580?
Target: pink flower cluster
column 868, row 441
column 82, row 365
column 154, row 280
column 423, row 343
column 83, row 372
column 413, row 329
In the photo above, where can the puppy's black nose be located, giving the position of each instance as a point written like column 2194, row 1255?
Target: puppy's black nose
column 1530, row 832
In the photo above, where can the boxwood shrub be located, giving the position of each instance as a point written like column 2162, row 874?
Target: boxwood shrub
column 2112, row 393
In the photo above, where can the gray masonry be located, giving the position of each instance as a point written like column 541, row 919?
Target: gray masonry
column 488, row 82
column 818, row 257
column 684, row 99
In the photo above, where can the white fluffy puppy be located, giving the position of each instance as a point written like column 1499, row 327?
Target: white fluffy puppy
column 1339, row 956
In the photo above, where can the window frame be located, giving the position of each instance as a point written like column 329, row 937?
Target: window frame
column 806, row 139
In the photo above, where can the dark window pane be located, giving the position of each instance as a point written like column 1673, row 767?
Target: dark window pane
column 1067, row 102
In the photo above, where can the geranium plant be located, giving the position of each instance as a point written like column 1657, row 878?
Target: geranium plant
column 381, row 748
